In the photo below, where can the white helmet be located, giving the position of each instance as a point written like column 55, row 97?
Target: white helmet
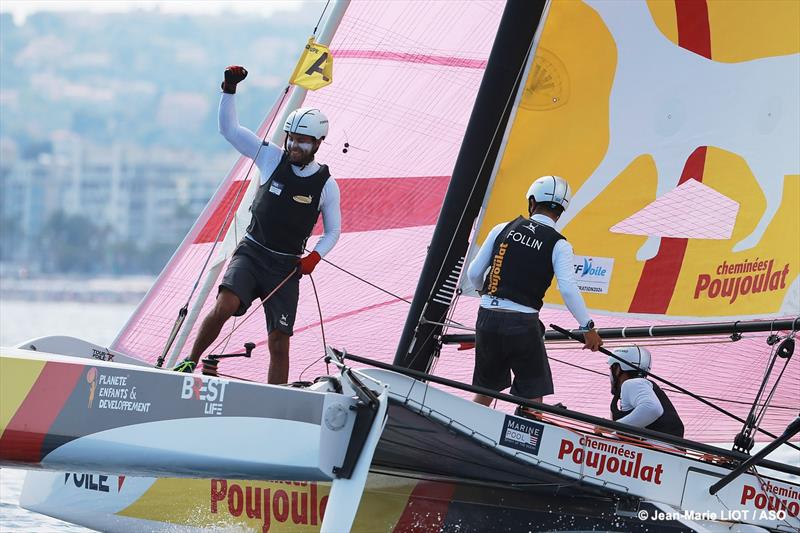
column 550, row 190
column 307, row 121
column 632, row 355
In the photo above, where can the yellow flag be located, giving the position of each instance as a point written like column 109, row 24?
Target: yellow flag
column 315, row 68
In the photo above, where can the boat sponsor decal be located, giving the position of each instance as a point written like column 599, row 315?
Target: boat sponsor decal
column 34, row 394
column 94, row 482
column 209, row 390
column 610, row 457
column 771, row 497
column 102, row 355
column 113, row 392
column 296, row 502
column 522, row 434
column 729, row 281
column 593, row 274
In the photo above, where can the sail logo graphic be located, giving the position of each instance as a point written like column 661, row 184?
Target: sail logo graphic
column 593, row 274
column 209, row 390
column 732, row 280
column 522, row 434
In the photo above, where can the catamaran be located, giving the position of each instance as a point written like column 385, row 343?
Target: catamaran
column 677, row 124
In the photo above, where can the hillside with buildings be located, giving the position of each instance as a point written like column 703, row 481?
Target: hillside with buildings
column 108, row 135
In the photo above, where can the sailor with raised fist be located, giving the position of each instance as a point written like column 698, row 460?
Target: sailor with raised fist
column 293, row 191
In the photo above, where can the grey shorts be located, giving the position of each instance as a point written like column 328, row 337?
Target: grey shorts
column 507, row 342
column 253, row 273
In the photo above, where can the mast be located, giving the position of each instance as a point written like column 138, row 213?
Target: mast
column 299, row 93
column 437, row 284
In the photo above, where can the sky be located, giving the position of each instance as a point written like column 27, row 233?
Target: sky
column 20, row 9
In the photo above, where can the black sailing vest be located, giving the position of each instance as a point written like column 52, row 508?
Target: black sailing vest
column 522, row 262
column 669, row 422
column 286, row 207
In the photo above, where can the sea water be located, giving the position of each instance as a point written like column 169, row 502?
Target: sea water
column 21, row 321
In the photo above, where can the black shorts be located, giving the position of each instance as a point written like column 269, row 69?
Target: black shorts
column 508, row 342
column 253, row 273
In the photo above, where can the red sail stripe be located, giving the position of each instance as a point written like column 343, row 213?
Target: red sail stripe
column 426, row 509
column 406, row 57
column 367, row 204
column 211, row 229
column 372, row 204
column 660, row 274
column 694, row 31
column 22, row 440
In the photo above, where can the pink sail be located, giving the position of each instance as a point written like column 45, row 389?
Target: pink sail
column 402, row 95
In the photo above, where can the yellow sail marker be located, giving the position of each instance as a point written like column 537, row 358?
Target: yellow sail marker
column 314, row 70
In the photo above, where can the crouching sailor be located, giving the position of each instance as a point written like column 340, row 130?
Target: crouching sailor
column 637, row 400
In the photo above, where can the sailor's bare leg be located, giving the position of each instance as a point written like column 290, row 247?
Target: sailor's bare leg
column 227, row 303
column 278, row 343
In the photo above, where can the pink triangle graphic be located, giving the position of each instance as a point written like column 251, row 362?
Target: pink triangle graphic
column 691, row 210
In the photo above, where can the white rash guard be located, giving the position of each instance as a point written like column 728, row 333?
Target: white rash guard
column 562, row 266
column 269, row 156
column 638, row 394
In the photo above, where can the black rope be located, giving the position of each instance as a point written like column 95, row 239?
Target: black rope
column 669, row 389
column 322, row 329
column 366, row 281
column 667, row 382
column 320, row 17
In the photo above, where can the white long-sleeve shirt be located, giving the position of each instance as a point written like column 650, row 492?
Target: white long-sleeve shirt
column 562, row 266
column 638, row 394
column 269, row 156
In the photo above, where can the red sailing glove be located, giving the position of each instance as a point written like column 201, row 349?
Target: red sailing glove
column 233, row 75
column 308, row 263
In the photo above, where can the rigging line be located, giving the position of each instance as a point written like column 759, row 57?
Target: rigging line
column 322, row 329
column 680, row 389
column 313, row 33
column 767, row 402
column 669, row 389
column 447, row 324
column 764, row 380
column 365, row 281
column 261, row 303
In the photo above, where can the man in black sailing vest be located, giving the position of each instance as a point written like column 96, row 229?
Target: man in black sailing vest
column 294, row 189
column 637, row 400
column 515, row 267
